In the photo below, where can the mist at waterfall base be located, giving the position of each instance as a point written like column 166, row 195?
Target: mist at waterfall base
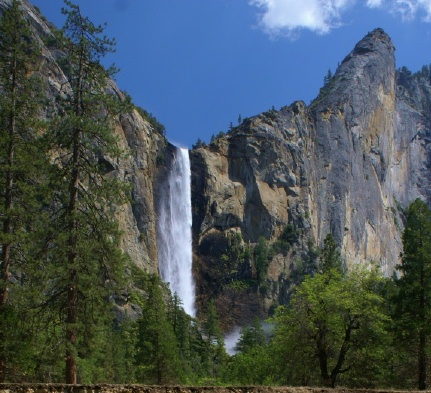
column 231, row 339
column 174, row 231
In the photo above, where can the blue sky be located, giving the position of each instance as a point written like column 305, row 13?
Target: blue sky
column 198, row 64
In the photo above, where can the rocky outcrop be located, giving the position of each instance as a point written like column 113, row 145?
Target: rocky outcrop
column 347, row 164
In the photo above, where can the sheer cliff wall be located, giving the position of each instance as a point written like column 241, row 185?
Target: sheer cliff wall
column 347, row 164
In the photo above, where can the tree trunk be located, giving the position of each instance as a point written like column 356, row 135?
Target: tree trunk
column 72, row 290
column 323, row 359
column 2, row 369
column 72, row 310
column 343, row 351
column 422, row 362
column 7, row 228
column 72, row 293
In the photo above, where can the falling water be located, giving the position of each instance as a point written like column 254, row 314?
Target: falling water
column 175, row 231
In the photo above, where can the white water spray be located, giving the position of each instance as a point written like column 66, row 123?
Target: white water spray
column 175, row 232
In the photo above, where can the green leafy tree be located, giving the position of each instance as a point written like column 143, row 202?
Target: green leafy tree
column 22, row 163
column 335, row 325
column 254, row 367
column 413, row 307
column 86, row 263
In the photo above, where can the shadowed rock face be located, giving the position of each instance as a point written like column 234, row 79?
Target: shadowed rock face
column 344, row 165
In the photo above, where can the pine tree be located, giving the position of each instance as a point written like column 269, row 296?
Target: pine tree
column 157, row 356
column 181, row 324
column 414, row 309
column 327, row 77
column 86, row 262
column 261, row 255
column 21, row 161
column 213, row 350
column 330, row 256
column 251, row 336
column 252, row 364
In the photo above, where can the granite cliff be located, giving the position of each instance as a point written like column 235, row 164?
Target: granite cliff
column 347, row 164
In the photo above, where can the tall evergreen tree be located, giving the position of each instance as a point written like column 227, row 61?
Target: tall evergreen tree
column 182, row 324
column 261, row 256
column 157, row 357
column 20, row 164
column 86, row 262
column 327, row 77
column 213, row 350
column 330, row 256
column 414, row 308
column 250, row 337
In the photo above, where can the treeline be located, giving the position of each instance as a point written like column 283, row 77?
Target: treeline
column 404, row 74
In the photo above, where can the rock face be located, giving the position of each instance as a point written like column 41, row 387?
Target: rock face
column 347, row 165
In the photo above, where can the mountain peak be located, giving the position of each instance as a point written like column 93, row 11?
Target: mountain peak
column 375, row 46
column 367, row 68
column 375, row 41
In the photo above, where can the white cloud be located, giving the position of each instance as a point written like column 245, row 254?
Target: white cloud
column 413, row 8
column 374, row 3
column 288, row 17
column 408, row 10
column 426, row 6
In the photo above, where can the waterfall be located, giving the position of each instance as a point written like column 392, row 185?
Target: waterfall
column 175, row 231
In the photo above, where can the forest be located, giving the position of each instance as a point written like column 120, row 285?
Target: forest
column 61, row 264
